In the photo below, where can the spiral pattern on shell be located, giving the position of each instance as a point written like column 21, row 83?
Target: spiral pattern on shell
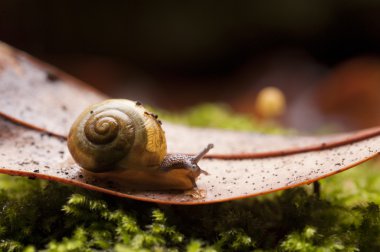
column 102, row 129
column 100, row 138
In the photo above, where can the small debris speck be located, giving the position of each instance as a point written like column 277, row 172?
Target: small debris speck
column 51, row 77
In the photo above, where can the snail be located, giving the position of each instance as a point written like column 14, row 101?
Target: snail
column 120, row 140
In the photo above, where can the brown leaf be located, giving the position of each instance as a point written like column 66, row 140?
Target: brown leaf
column 42, row 97
column 243, row 164
column 31, row 153
column 39, row 95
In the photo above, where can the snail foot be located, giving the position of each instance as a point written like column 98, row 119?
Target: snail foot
column 196, row 193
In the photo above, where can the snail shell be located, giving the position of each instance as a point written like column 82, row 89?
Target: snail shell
column 117, row 134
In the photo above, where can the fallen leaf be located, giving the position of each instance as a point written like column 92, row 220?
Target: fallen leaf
column 38, row 104
column 39, row 95
column 36, row 154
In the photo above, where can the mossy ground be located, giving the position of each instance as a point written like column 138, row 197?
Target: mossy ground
column 47, row 216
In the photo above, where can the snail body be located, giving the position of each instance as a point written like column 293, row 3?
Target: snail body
column 120, row 140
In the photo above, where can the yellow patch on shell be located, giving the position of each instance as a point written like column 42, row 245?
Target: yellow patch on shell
column 155, row 135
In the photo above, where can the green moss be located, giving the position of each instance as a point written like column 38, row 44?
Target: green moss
column 45, row 216
column 355, row 186
column 220, row 116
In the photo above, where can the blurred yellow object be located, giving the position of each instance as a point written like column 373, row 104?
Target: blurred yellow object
column 270, row 103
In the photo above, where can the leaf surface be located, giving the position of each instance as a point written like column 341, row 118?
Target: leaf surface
column 31, row 153
column 38, row 103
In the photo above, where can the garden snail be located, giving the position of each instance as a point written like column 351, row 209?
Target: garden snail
column 120, row 140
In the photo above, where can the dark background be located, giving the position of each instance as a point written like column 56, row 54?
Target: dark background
column 322, row 54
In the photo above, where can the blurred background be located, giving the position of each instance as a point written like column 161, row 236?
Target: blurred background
column 322, row 56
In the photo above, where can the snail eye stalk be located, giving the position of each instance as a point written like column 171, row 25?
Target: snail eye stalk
column 202, row 153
